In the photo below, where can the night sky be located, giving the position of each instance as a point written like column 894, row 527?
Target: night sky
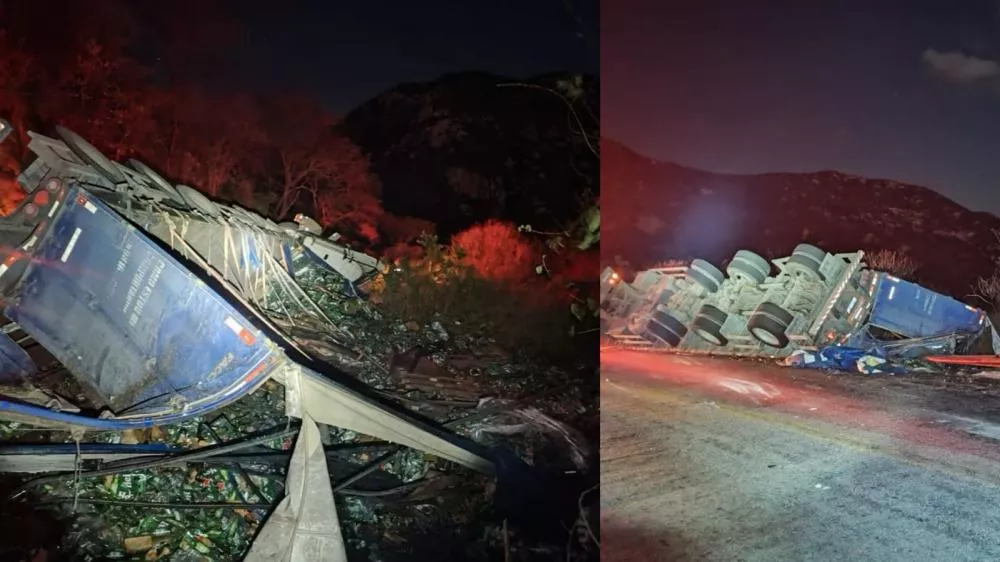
column 900, row 89
column 346, row 52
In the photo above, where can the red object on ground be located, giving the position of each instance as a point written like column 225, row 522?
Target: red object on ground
column 976, row 360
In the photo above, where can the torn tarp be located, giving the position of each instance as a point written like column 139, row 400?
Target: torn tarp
column 304, row 527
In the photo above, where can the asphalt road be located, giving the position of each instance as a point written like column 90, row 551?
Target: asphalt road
column 717, row 460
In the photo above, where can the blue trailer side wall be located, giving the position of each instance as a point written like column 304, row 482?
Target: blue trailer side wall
column 129, row 320
column 16, row 365
column 916, row 312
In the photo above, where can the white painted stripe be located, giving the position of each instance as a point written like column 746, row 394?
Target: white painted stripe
column 234, row 325
column 70, row 246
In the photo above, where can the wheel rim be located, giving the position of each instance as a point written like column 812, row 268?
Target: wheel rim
column 802, row 271
column 745, row 271
column 766, row 337
column 707, row 336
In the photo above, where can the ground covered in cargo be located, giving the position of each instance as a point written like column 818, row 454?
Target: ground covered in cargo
column 393, row 504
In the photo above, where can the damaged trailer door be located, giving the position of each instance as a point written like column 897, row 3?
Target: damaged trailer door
column 913, row 311
column 148, row 342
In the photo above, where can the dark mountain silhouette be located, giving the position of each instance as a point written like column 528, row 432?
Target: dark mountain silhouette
column 654, row 211
column 471, row 146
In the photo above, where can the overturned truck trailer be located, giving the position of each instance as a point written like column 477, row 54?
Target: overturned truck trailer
column 757, row 308
column 161, row 305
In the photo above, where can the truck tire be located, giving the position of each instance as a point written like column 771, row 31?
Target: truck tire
column 810, row 251
column 801, row 265
column 706, row 275
column 667, row 328
column 748, row 266
column 707, row 324
column 769, row 324
column 775, row 311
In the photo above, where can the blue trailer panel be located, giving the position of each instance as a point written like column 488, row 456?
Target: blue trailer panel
column 16, row 365
column 128, row 320
column 915, row 312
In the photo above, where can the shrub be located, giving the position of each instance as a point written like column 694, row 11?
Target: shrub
column 440, row 284
column 987, row 289
column 892, row 262
column 11, row 195
column 496, row 251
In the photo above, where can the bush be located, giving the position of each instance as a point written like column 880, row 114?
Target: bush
column 987, row 289
column 443, row 285
column 11, row 195
column 892, row 262
column 496, row 251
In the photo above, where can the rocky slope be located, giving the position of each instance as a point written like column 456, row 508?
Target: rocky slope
column 465, row 148
column 654, row 211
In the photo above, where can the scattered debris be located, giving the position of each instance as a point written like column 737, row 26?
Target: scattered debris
column 843, row 359
column 407, row 497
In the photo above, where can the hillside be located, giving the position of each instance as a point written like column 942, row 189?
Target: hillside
column 464, row 148
column 654, row 211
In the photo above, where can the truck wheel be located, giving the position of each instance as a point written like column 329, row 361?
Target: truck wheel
column 810, row 251
column 706, row 275
column 769, row 324
column 748, row 266
column 666, row 328
column 775, row 311
column 800, row 265
column 708, row 324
